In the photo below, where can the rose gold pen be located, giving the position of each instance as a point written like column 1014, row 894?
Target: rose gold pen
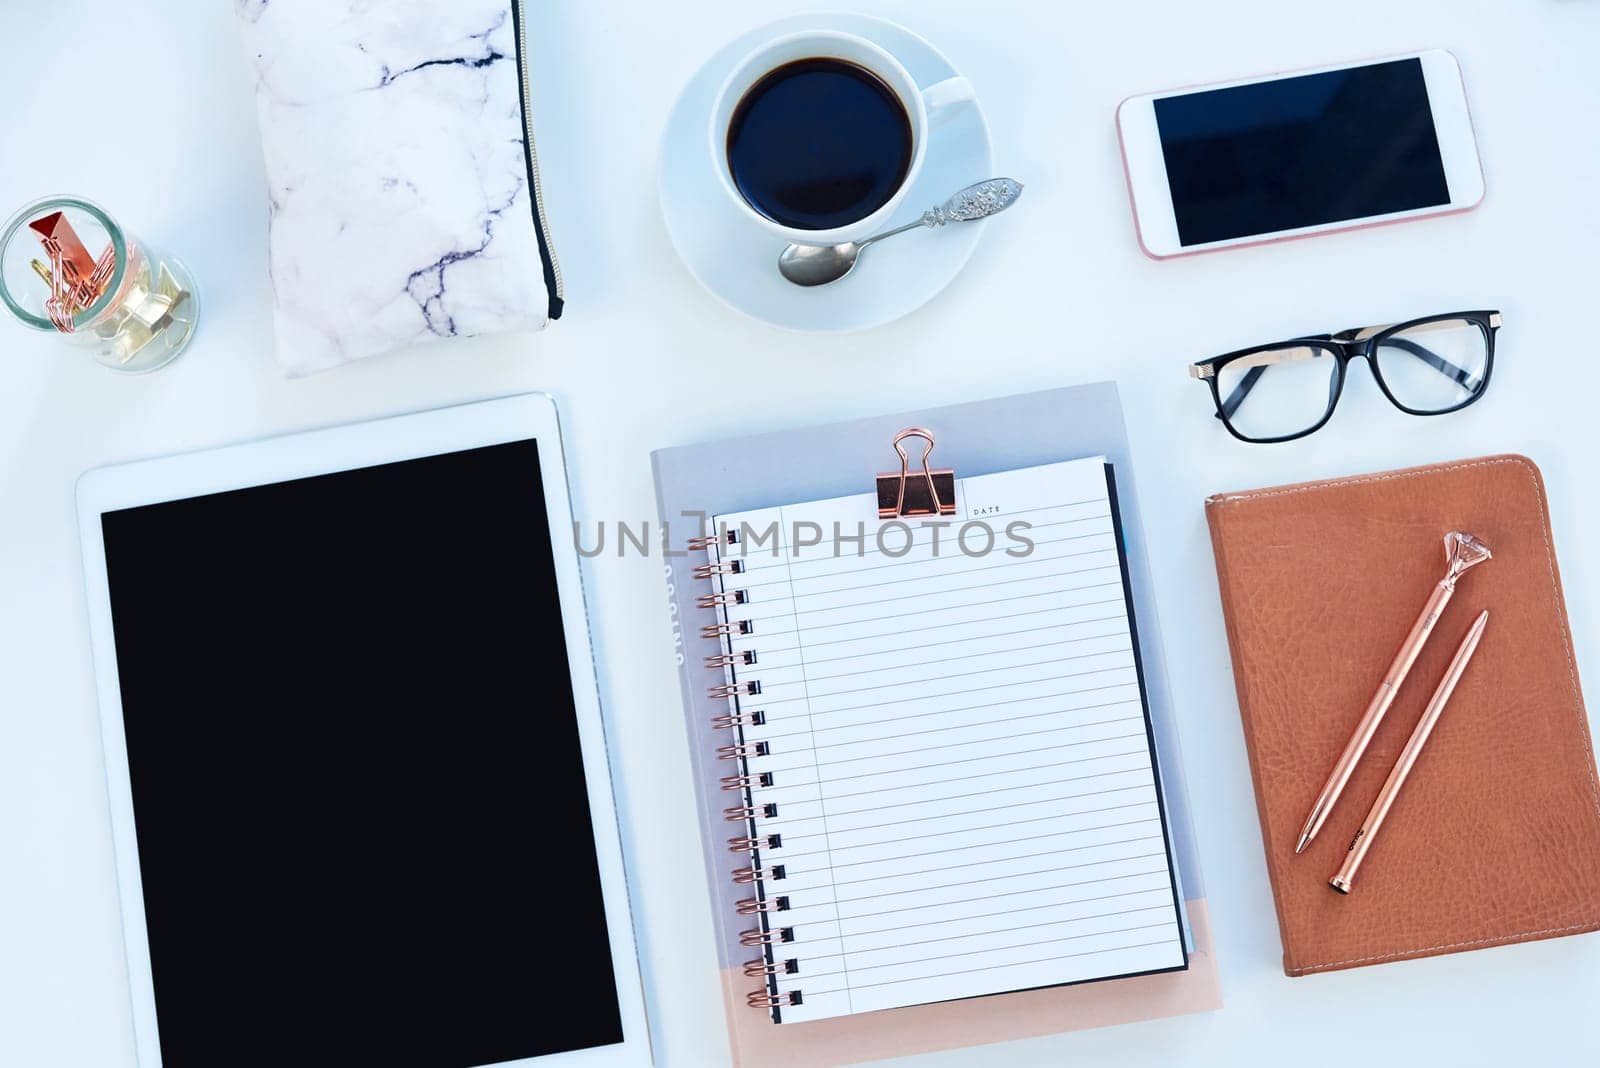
column 1408, row 756
column 1461, row 551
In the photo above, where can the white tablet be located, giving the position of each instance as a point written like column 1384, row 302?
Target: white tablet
column 357, row 769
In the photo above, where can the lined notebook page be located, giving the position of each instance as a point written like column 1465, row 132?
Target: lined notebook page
column 961, row 770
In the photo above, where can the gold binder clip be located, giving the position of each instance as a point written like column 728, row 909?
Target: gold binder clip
column 904, row 496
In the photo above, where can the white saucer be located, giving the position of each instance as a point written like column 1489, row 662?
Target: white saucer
column 738, row 262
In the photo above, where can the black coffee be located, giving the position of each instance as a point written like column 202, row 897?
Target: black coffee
column 819, row 143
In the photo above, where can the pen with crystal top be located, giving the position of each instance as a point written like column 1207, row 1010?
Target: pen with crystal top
column 1461, row 551
column 1408, row 756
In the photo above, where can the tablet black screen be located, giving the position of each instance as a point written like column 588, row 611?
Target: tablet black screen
column 357, row 783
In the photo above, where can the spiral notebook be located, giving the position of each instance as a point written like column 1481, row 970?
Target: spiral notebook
column 946, row 777
column 941, row 792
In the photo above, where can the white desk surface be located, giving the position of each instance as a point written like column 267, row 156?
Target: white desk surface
column 1057, row 293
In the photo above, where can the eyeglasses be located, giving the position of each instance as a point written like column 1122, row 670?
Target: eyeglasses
column 1288, row 390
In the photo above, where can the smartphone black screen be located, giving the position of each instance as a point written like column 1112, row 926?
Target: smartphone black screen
column 360, row 800
column 1304, row 151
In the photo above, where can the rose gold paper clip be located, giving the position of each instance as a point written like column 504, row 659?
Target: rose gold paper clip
column 1408, row 756
column 1461, row 552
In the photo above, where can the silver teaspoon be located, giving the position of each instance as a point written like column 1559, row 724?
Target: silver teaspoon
column 817, row 265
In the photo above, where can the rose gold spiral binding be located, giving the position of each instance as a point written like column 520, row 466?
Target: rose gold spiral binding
column 757, row 937
column 754, row 873
column 755, row 969
column 746, row 782
column 723, row 630
column 754, row 906
column 742, row 751
column 725, row 567
column 722, row 660
column 700, row 543
column 753, row 718
column 741, row 813
column 746, row 844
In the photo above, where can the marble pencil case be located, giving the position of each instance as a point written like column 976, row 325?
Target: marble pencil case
column 403, row 178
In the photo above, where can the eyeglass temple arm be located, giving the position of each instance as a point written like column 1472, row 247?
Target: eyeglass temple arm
column 1251, row 377
column 1459, row 375
column 1240, row 392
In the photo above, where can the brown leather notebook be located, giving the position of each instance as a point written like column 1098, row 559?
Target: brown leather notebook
column 1495, row 837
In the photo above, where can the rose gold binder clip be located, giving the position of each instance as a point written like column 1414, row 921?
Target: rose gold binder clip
column 902, row 495
column 76, row 279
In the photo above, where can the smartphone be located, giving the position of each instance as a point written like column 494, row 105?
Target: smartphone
column 1294, row 155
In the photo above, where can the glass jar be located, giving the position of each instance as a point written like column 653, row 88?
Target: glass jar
column 143, row 318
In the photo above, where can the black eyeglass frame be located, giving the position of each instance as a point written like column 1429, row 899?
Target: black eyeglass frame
column 1357, row 343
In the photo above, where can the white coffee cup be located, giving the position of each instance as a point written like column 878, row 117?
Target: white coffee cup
column 924, row 105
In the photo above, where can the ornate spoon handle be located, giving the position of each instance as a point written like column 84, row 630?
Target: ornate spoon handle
column 979, row 201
